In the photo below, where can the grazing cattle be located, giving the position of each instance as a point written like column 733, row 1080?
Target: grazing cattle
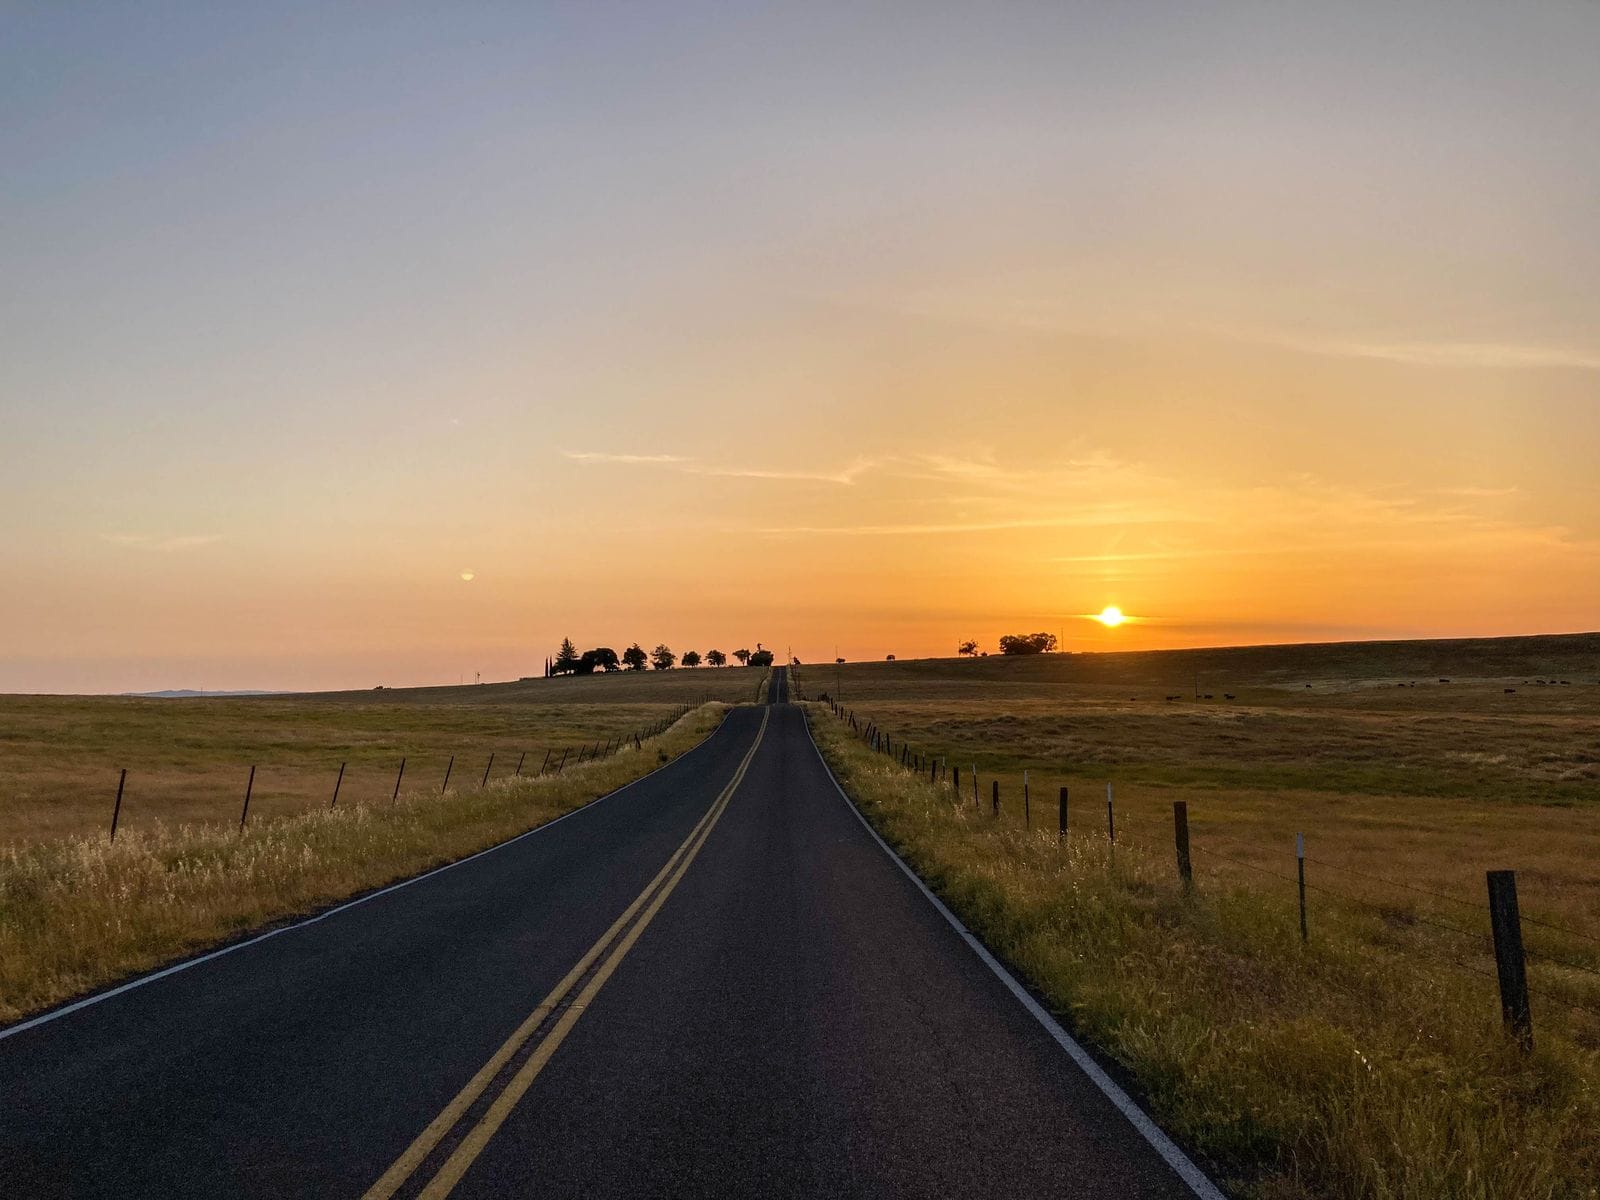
column 1227, row 695
column 1510, row 691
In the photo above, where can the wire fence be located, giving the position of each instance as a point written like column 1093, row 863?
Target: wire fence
column 555, row 760
column 1500, row 942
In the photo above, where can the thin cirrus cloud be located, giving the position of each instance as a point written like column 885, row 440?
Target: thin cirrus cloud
column 690, row 466
column 146, row 541
column 1506, row 356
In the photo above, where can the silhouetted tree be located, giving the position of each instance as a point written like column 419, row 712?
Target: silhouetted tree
column 691, row 658
column 969, row 647
column 566, row 658
column 761, row 658
column 1027, row 643
column 716, row 658
column 662, row 657
column 743, row 656
column 635, row 657
column 601, row 658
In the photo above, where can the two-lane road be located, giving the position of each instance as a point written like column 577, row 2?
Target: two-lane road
column 713, row 982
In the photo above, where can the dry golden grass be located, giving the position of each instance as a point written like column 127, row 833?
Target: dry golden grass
column 1244, row 1038
column 1351, row 1066
column 188, row 760
column 77, row 913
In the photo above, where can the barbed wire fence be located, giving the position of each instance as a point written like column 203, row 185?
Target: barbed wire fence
column 1503, row 942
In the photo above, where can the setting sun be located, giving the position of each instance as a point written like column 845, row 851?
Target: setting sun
column 1110, row 616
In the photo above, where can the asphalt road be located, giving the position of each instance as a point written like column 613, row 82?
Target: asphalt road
column 713, row 982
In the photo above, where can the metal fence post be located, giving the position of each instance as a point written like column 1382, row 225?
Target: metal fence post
column 337, row 784
column 116, row 809
column 1300, row 863
column 248, row 788
column 1180, row 830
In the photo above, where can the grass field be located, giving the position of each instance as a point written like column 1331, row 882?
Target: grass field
column 77, row 913
column 1369, row 1061
column 188, row 759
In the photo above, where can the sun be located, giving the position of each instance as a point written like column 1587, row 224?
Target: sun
column 1110, row 616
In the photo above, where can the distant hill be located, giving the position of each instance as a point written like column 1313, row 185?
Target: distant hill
column 189, row 694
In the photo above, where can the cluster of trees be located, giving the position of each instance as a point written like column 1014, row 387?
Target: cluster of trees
column 568, row 660
column 1015, row 643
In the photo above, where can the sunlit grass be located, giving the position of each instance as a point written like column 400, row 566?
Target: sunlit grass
column 1360, row 1064
column 77, row 913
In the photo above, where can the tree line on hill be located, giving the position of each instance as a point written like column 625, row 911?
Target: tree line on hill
column 1015, row 643
column 603, row 659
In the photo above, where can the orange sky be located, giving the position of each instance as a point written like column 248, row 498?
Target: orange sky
column 810, row 329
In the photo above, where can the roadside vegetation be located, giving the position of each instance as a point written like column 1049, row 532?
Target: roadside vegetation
column 1368, row 1061
column 77, row 913
column 189, row 760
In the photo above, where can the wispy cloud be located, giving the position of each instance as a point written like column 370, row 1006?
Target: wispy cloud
column 1118, row 516
column 146, row 541
column 1478, row 493
column 691, row 466
column 596, row 456
column 1456, row 355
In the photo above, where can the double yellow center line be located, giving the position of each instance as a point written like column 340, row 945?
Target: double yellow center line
column 571, row 996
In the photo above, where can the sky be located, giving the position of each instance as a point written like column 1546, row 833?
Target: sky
column 856, row 329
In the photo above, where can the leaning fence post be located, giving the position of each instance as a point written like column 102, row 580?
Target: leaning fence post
column 487, row 769
column 955, row 781
column 1510, row 964
column 562, row 763
column 1027, row 819
column 1300, row 862
column 520, row 761
column 1180, row 831
column 397, row 780
column 248, row 788
column 449, row 766
column 994, row 788
column 1062, row 834
column 116, row 809
column 1111, row 817
column 337, row 783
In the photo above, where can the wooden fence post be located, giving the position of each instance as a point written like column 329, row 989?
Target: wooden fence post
column 487, row 769
column 116, row 809
column 1180, row 831
column 397, row 779
column 1510, row 963
column 337, row 783
column 994, row 791
column 522, row 759
column 449, row 766
column 1027, row 819
column 1062, row 834
column 1111, row 818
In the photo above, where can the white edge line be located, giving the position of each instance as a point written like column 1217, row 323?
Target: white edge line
column 1175, row 1158
column 66, row 1009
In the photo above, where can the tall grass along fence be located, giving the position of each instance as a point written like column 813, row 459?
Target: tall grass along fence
column 554, row 761
column 80, row 912
column 1494, row 930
